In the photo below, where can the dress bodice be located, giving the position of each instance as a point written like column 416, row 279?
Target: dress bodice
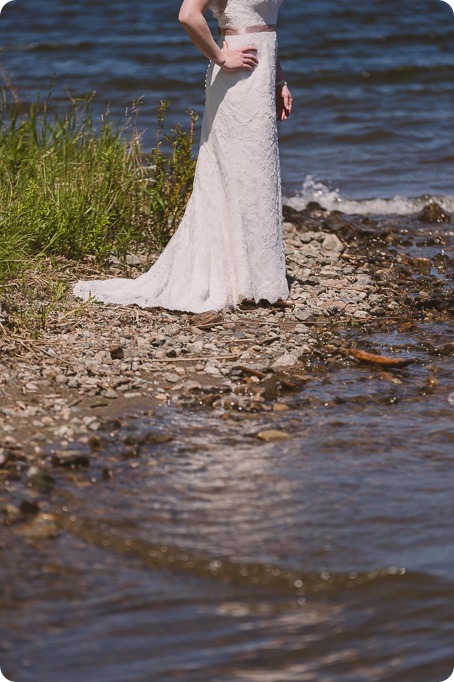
column 240, row 13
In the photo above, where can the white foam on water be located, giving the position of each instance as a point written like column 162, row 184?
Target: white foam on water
column 314, row 190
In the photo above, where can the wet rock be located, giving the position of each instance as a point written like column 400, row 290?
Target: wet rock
column 135, row 438
column 273, row 434
column 130, row 452
column 210, row 399
column 29, row 507
column 41, row 527
column 95, row 442
column 447, row 348
column 280, row 407
column 434, row 213
column 156, row 436
column 4, row 456
column 111, row 425
column 70, row 458
column 12, row 513
column 39, row 479
column 421, row 265
column 273, row 387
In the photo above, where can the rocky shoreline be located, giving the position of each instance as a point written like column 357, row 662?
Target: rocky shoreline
column 60, row 393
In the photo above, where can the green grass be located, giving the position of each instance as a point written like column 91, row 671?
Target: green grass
column 77, row 187
column 76, row 190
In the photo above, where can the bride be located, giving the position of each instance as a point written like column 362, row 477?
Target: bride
column 229, row 245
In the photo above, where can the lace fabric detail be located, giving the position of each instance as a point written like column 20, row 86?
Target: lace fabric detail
column 240, row 13
column 229, row 244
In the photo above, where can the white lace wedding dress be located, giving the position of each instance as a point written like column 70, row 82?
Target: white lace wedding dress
column 229, row 244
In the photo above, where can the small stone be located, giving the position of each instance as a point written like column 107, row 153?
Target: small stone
column 286, row 360
column 41, row 527
column 272, row 434
column 332, row 243
column 303, row 314
column 447, row 348
column 117, row 352
column 132, row 259
column 3, row 457
column 39, row 479
column 29, row 507
column 172, row 377
column 210, row 369
column 70, row 458
column 191, row 385
column 422, row 265
column 95, row 442
column 155, row 436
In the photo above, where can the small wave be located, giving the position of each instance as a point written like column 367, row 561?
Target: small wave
column 159, row 556
column 314, row 190
column 80, row 46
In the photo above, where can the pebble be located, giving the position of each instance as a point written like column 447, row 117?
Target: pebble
column 286, row 360
column 41, row 527
column 70, row 458
column 272, row 435
column 332, row 243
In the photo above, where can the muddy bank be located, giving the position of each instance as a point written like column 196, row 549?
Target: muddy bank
column 68, row 395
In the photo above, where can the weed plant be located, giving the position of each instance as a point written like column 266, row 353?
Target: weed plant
column 74, row 187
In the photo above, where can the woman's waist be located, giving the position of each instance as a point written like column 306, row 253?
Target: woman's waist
column 243, row 30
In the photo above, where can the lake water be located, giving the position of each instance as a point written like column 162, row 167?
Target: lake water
column 217, row 558
column 373, row 82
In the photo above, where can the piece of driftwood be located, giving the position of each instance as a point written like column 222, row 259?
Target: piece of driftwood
column 384, row 360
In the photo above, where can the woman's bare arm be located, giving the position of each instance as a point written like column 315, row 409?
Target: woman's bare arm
column 195, row 25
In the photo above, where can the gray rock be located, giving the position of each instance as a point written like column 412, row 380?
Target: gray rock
column 286, row 360
column 332, row 243
column 303, row 314
column 361, row 314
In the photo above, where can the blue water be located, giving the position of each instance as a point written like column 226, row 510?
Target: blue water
column 373, row 83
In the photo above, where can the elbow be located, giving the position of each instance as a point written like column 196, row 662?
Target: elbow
column 184, row 17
